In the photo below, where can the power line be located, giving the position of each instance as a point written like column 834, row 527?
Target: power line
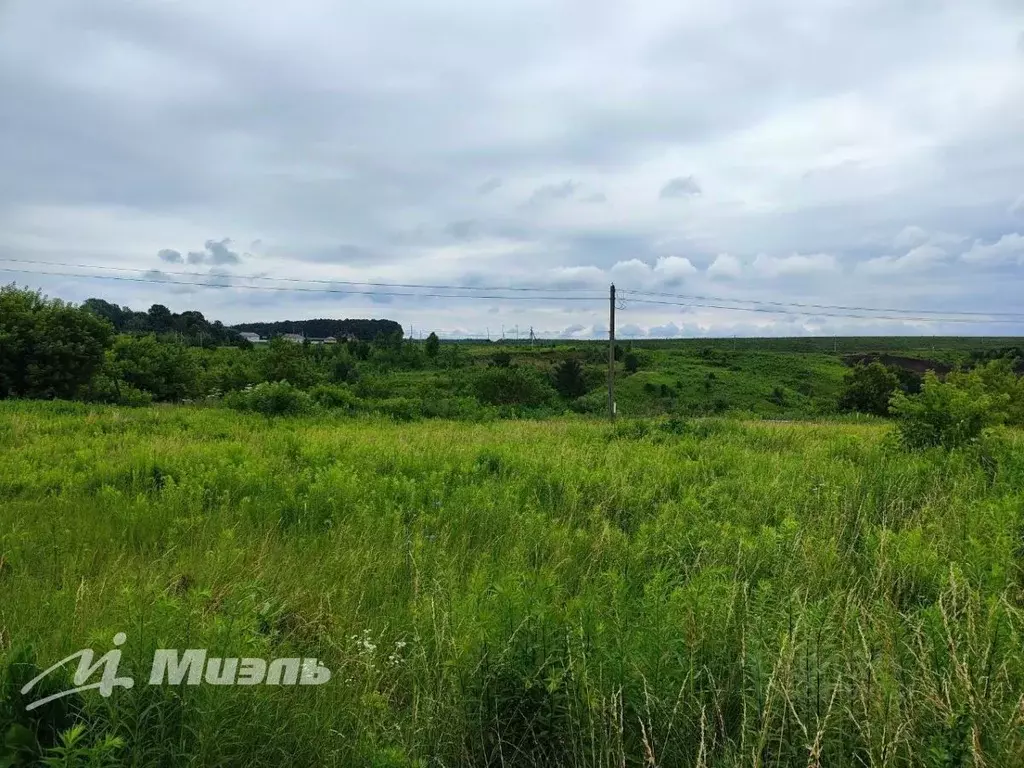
column 930, row 319
column 826, row 306
column 702, row 301
column 546, row 289
column 293, row 289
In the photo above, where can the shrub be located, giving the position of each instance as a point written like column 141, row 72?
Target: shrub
column 271, row 399
column 909, row 381
column 433, row 344
column 948, row 414
column 569, row 379
column 501, row 359
column 999, row 379
column 287, row 361
column 330, row 396
column 48, row 348
column 512, row 386
column 104, row 389
column 631, row 363
column 594, row 402
column 868, row 389
column 165, row 368
column 343, row 370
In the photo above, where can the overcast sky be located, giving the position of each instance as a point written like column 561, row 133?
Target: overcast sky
column 860, row 152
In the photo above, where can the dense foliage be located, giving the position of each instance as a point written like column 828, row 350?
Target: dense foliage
column 167, row 357
column 956, row 411
column 187, row 327
column 48, row 348
column 868, row 389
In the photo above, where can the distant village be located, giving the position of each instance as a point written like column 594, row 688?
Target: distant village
column 297, row 338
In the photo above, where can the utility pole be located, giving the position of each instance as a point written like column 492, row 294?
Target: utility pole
column 611, row 352
column 532, row 337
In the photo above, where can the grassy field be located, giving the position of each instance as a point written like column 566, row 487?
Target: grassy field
column 711, row 592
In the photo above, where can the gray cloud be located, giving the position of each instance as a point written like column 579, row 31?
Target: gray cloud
column 463, row 230
column 821, row 131
column 682, row 186
column 216, row 253
column 489, row 186
column 551, row 192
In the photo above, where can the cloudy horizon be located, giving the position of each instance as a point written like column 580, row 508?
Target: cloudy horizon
column 793, row 151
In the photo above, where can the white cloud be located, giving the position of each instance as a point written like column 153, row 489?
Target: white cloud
column 797, row 264
column 909, row 237
column 725, row 265
column 667, row 331
column 632, row 271
column 916, row 259
column 1009, row 248
column 674, row 268
column 1017, row 207
column 573, row 277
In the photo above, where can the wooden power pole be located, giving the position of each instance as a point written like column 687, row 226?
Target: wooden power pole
column 611, row 352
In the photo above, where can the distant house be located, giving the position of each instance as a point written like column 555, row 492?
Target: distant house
column 298, row 338
column 330, row 340
column 252, row 338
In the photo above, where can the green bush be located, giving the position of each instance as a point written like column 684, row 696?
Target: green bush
column 331, row 396
column 48, row 348
column 868, row 389
column 998, row 379
column 104, row 389
column 287, row 361
column 166, row 369
column 569, row 379
column 949, row 414
column 595, row 402
column 271, row 399
column 512, row 386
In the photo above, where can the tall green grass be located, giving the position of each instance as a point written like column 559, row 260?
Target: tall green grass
column 698, row 593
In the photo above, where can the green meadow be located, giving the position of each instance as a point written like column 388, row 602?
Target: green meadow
column 662, row 592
